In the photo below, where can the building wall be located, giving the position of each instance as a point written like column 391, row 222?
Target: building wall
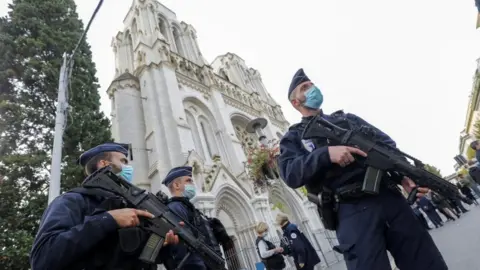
column 176, row 109
column 467, row 135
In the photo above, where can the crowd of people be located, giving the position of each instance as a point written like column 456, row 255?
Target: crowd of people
column 429, row 207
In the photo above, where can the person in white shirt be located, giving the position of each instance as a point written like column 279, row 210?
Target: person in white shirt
column 271, row 256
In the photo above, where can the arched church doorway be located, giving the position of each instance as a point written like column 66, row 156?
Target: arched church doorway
column 233, row 209
column 284, row 200
column 281, row 201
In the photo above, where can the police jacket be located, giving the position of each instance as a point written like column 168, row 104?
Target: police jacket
column 439, row 200
column 426, row 204
column 183, row 208
column 305, row 162
column 76, row 232
column 302, row 250
column 474, row 172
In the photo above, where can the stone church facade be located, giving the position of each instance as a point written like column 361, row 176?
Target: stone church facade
column 175, row 108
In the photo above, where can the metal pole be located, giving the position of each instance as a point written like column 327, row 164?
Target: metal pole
column 62, row 106
column 261, row 136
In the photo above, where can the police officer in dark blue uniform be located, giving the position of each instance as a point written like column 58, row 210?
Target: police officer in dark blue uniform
column 79, row 231
column 475, row 145
column 302, row 251
column 180, row 183
column 366, row 225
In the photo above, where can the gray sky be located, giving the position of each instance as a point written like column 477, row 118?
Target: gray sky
column 404, row 66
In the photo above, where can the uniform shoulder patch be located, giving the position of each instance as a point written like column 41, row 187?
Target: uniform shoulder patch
column 309, row 145
column 293, row 235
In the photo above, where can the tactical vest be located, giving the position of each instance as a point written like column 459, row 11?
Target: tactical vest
column 337, row 175
column 117, row 251
column 276, row 261
column 202, row 223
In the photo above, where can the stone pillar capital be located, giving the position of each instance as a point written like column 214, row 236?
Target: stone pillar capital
column 205, row 203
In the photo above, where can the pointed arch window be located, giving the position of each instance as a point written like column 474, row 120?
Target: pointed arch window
column 162, row 25
column 135, row 33
column 129, row 53
column 208, row 137
column 178, row 41
column 195, row 135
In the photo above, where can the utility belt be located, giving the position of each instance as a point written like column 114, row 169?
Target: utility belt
column 327, row 200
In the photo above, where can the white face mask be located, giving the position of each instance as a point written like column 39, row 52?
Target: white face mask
column 265, row 234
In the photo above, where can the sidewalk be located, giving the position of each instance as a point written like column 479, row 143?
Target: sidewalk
column 341, row 265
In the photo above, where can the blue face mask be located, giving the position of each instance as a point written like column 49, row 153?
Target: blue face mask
column 126, row 173
column 190, row 191
column 313, row 98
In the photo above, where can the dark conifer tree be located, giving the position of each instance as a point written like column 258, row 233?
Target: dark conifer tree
column 34, row 36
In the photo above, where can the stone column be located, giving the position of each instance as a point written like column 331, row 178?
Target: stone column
column 318, row 231
column 130, row 123
column 248, row 252
column 261, row 205
column 169, row 103
column 205, row 203
column 159, row 142
column 243, row 244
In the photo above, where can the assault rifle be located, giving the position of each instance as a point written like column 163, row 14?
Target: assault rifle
column 381, row 158
column 164, row 220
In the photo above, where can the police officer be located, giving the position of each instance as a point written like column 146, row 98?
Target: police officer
column 180, row 183
column 303, row 253
column 77, row 232
column 366, row 225
column 475, row 145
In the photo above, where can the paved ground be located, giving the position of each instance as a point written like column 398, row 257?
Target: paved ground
column 459, row 242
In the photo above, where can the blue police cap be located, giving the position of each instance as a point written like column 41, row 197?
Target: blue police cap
column 298, row 78
column 177, row 172
column 102, row 148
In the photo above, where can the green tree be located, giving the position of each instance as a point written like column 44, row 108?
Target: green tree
column 470, row 153
column 35, row 34
column 433, row 169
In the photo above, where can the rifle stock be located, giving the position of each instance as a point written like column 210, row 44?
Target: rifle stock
column 381, row 158
column 160, row 225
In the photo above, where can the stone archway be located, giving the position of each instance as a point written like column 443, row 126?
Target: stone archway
column 284, row 202
column 322, row 240
column 233, row 209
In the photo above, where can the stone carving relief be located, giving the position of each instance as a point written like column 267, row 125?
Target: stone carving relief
column 277, row 111
column 256, row 102
column 246, row 139
column 164, row 52
column 140, row 58
column 211, row 173
column 249, row 102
